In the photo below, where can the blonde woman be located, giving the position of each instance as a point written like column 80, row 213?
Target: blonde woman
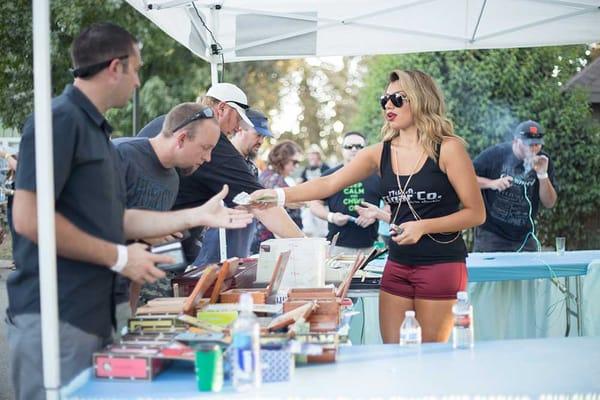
column 429, row 181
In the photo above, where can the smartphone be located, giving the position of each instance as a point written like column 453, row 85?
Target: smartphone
column 173, row 250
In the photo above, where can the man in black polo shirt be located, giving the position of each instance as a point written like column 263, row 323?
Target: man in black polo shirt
column 357, row 233
column 91, row 219
column 227, row 166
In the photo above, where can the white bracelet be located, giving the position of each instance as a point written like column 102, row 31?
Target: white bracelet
column 330, row 217
column 121, row 259
column 542, row 176
column 280, row 197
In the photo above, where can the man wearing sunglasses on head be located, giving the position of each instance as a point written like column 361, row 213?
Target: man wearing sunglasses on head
column 188, row 135
column 357, row 233
column 227, row 166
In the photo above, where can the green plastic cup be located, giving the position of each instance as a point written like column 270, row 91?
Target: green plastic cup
column 209, row 368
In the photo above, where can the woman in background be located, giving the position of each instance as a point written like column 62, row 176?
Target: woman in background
column 282, row 161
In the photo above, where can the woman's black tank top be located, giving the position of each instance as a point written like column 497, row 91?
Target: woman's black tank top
column 431, row 195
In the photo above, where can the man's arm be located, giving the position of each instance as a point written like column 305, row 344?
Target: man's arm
column 143, row 223
column 548, row 195
column 499, row 184
column 277, row 220
column 73, row 243
column 317, row 207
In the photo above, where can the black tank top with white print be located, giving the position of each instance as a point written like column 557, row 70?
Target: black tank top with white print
column 431, row 195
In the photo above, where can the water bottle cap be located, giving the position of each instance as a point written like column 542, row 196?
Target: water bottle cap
column 409, row 313
column 462, row 296
column 246, row 302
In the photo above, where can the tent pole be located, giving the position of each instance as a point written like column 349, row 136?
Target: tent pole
column 214, row 77
column 45, row 198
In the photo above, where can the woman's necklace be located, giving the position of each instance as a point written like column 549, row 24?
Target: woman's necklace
column 395, row 228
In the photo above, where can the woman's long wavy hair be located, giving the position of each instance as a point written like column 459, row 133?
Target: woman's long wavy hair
column 426, row 102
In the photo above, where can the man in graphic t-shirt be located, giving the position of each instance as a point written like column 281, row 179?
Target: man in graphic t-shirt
column 515, row 177
column 357, row 233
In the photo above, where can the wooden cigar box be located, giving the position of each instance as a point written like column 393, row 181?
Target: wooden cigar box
column 325, row 318
column 241, row 275
column 128, row 364
column 328, row 341
column 311, row 294
column 260, row 296
column 176, row 305
column 155, row 324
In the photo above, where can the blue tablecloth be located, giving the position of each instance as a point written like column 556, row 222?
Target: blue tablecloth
column 492, row 267
column 535, row 367
column 509, row 302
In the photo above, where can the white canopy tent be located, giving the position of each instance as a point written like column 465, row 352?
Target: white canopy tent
column 276, row 29
column 279, row 29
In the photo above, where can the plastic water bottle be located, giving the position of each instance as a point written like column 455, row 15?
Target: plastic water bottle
column 410, row 330
column 462, row 333
column 245, row 346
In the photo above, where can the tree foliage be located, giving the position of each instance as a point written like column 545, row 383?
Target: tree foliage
column 171, row 73
column 488, row 93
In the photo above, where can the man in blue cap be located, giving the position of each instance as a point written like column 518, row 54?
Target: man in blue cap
column 248, row 140
column 514, row 178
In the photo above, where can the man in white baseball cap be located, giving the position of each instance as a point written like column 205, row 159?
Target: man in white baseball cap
column 228, row 95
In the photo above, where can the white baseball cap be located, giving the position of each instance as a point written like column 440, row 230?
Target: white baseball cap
column 233, row 96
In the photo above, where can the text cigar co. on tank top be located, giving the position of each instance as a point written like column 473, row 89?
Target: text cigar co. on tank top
column 431, row 195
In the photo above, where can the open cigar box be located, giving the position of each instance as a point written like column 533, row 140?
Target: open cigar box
column 188, row 305
column 329, row 301
column 162, row 314
column 241, row 274
column 261, row 296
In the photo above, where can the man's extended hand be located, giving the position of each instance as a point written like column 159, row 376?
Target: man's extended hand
column 140, row 266
column 216, row 215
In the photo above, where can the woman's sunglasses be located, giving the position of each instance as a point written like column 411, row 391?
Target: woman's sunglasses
column 205, row 113
column 397, row 99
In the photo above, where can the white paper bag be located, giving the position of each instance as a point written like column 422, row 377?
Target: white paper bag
column 306, row 267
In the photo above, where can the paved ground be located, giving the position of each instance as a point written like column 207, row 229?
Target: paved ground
column 5, row 384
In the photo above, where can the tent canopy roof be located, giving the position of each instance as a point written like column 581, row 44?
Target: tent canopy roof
column 277, row 29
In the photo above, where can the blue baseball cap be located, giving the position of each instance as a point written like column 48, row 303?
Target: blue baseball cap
column 260, row 122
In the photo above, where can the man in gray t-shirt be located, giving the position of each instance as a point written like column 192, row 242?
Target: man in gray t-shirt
column 187, row 137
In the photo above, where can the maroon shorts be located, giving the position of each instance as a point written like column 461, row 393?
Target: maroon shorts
column 434, row 282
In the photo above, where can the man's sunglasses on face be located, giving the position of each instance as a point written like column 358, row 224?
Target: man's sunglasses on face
column 397, row 99
column 353, row 146
column 205, row 113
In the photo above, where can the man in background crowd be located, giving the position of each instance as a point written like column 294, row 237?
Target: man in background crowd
column 515, row 177
column 356, row 232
